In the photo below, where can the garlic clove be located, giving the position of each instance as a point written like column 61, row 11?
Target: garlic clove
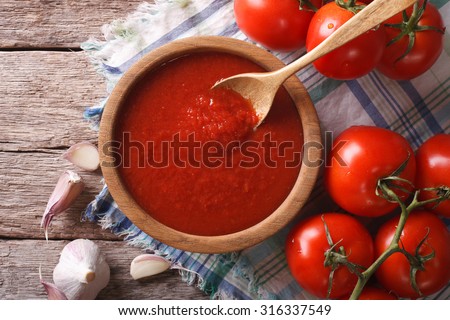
column 53, row 293
column 67, row 189
column 58, row 199
column 147, row 265
column 84, row 155
column 82, row 271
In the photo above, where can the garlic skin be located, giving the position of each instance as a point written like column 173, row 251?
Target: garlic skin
column 82, row 270
column 53, row 293
column 67, row 189
column 84, row 155
column 146, row 265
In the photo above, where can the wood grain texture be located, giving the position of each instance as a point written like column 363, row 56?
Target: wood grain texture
column 43, row 94
column 41, row 117
column 46, row 93
column 56, row 23
column 19, row 272
column 26, row 181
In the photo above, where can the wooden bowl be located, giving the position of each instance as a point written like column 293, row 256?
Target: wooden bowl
column 223, row 243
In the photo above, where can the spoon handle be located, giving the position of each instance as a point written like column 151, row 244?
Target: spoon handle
column 368, row 18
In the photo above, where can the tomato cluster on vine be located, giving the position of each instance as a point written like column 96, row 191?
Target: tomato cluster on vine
column 374, row 176
column 402, row 48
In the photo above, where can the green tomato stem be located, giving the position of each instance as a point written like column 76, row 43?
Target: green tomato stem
column 416, row 15
column 307, row 5
column 394, row 246
column 350, row 5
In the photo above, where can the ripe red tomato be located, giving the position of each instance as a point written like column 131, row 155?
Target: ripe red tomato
column 394, row 273
column 362, row 155
column 433, row 170
column 352, row 60
column 306, row 245
column 277, row 25
column 427, row 47
column 374, row 293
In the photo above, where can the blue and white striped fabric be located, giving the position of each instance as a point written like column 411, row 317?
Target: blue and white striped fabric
column 416, row 109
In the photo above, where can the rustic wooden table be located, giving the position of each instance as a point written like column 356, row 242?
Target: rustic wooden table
column 46, row 82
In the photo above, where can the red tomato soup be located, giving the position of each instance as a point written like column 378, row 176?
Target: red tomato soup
column 189, row 155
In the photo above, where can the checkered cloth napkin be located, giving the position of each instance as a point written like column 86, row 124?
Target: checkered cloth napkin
column 416, row 109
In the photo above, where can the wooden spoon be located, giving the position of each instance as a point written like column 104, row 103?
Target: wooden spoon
column 260, row 88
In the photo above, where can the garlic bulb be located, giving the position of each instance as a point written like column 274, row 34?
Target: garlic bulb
column 146, row 265
column 68, row 188
column 82, row 270
column 84, row 155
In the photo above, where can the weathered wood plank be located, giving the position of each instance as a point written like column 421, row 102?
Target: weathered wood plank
column 26, row 181
column 19, row 272
column 43, row 98
column 57, row 23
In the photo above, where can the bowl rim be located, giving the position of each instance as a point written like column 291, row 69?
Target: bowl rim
column 286, row 212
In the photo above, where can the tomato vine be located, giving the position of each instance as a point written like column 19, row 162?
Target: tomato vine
column 416, row 260
column 337, row 256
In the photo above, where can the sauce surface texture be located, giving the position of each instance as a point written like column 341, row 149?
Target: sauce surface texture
column 190, row 156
